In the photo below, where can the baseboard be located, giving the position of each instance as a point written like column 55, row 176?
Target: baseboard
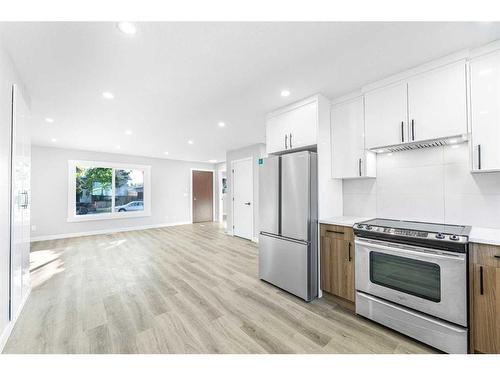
column 104, row 231
column 10, row 326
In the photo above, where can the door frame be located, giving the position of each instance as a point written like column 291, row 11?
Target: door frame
column 232, row 194
column 220, row 214
column 191, row 192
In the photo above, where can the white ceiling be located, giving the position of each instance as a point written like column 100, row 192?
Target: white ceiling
column 175, row 81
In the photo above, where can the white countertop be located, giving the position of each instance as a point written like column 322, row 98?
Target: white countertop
column 346, row 221
column 489, row 236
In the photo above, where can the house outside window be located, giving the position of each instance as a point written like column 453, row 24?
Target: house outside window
column 105, row 190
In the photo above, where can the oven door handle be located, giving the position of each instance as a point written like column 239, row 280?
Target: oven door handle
column 429, row 253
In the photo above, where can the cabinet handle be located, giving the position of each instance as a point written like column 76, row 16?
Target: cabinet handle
column 481, row 286
column 402, row 131
column 350, row 258
column 359, row 166
column 478, row 156
column 286, row 141
column 291, row 140
column 412, row 130
column 334, row 231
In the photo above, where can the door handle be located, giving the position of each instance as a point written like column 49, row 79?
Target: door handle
column 478, row 156
column 334, row 231
column 291, row 140
column 286, row 141
column 402, row 131
column 248, row 203
column 481, row 284
column 359, row 167
column 349, row 258
column 412, row 130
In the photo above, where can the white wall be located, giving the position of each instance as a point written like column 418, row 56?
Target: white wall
column 255, row 151
column 427, row 185
column 170, row 192
column 8, row 77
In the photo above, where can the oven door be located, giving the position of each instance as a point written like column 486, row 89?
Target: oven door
column 427, row 280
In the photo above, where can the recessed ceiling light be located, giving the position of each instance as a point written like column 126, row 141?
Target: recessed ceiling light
column 165, row 153
column 128, row 28
column 221, row 124
column 128, row 132
column 108, row 95
column 117, row 147
column 285, row 93
column 49, row 120
column 453, row 141
column 380, row 151
column 212, row 161
column 190, row 142
column 53, row 140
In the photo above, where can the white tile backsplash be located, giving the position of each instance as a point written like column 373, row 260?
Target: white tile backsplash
column 427, row 185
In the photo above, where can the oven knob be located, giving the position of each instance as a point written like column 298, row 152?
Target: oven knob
column 454, row 237
column 440, row 236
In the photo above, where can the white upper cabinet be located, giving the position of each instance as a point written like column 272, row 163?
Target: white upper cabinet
column 428, row 106
column 386, row 116
column 485, row 112
column 437, row 103
column 293, row 127
column 349, row 158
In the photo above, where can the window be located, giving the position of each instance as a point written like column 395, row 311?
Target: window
column 100, row 190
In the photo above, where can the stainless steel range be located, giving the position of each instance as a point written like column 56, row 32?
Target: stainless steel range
column 412, row 277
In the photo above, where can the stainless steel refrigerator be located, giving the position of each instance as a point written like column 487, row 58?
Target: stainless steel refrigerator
column 288, row 218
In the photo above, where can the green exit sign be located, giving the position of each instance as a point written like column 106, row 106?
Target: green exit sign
column 261, row 161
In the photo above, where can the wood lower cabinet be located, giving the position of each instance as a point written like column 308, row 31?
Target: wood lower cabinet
column 485, row 298
column 337, row 261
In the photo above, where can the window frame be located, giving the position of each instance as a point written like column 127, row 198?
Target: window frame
column 73, row 217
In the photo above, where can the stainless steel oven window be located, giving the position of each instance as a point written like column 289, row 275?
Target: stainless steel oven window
column 407, row 275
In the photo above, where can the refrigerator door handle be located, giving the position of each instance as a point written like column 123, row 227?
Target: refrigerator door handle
column 284, row 238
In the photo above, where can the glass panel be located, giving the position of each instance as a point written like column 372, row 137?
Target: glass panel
column 93, row 190
column 129, row 190
column 411, row 276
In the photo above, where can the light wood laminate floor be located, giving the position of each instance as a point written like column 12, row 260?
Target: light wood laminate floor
column 184, row 289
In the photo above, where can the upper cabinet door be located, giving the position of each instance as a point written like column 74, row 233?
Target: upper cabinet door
column 303, row 125
column 485, row 108
column 386, row 116
column 348, row 142
column 275, row 134
column 437, row 103
column 293, row 127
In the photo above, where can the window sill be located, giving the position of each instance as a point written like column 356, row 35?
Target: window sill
column 110, row 216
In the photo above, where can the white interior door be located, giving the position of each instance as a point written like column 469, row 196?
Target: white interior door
column 242, row 191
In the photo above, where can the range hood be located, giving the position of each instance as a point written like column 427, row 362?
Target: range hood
column 422, row 144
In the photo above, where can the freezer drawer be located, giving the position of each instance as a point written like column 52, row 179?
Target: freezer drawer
column 286, row 263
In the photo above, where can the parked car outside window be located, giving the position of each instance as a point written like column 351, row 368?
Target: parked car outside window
column 131, row 206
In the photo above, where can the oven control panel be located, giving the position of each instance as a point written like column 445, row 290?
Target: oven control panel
column 400, row 232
